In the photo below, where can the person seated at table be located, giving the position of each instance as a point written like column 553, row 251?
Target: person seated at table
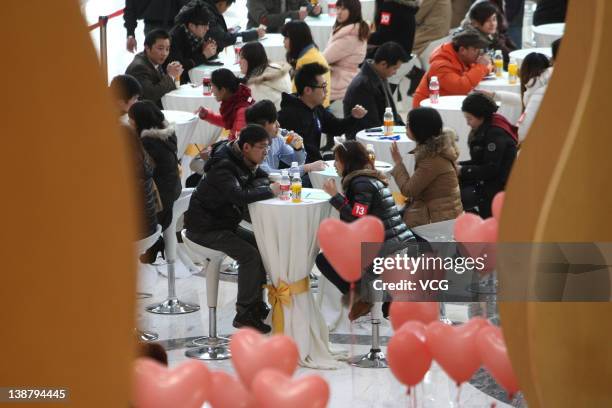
column 125, row 90
column 304, row 113
column 232, row 180
column 263, row 113
column 366, row 192
column 160, row 143
column 273, row 13
column 155, row 13
column 433, row 21
column 148, row 67
column 394, row 20
column 487, row 20
column 302, row 50
column 459, row 65
column 535, row 75
column 266, row 79
column 218, row 30
column 370, row 88
column 346, row 47
column 493, row 144
column 188, row 44
column 235, row 98
column 433, row 189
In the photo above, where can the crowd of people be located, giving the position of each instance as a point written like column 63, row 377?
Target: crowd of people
column 270, row 99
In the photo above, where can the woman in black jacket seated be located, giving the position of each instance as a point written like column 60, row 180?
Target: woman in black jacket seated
column 493, row 145
column 366, row 193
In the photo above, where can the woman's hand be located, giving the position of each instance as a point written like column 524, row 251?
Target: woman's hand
column 330, row 187
column 395, row 154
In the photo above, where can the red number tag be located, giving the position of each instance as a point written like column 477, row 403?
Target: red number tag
column 360, row 210
column 385, row 18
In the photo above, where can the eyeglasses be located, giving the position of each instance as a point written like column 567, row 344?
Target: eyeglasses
column 263, row 147
column 322, row 86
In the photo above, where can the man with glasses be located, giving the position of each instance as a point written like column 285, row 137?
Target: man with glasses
column 460, row 65
column 304, row 113
column 232, row 180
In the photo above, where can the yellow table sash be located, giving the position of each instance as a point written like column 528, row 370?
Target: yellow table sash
column 280, row 296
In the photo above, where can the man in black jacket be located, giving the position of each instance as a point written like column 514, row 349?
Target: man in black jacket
column 233, row 180
column 148, row 67
column 156, row 14
column 187, row 44
column 272, row 13
column 370, row 88
column 395, row 21
column 304, row 112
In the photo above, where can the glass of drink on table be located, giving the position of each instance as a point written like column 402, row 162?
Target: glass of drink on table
column 207, row 84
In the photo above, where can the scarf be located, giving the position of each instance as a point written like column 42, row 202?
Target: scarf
column 194, row 40
column 240, row 99
column 501, row 122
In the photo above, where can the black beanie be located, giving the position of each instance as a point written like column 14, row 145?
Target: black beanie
column 424, row 123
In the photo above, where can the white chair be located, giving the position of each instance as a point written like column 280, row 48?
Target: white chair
column 211, row 347
column 172, row 305
column 424, row 57
column 375, row 358
column 141, row 247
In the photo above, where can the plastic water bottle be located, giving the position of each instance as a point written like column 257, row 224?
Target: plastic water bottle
column 237, row 48
column 512, row 72
column 285, row 186
column 434, row 90
column 388, row 121
column 499, row 63
column 371, row 153
column 296, row 188
column 294, row 168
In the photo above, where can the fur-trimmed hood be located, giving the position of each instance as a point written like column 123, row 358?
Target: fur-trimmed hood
column 161, row 134
column 346, row 181
column 272, row 76
column 442, row 145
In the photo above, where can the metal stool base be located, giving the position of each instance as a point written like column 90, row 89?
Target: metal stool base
column 214, row 351
column 374, row 359
column 172, row 307
column 207, row 341
column 146, row 335
column 231, row 269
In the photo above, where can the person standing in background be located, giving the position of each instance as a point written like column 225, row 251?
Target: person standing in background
column 394, row 21
column 550, row 12
column 433, row 21
column 155, row 13
column 515, row 11
column 273, row 13
column 460, row 7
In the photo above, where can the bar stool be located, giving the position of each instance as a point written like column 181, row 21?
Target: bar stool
column 375, row 358
column 211, row 347
column 141, row 247
column 172, row 305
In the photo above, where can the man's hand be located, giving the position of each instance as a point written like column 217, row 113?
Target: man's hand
column 319, row 165
column 316, row 10
column 205, row 154
column 209, row 49
column 303, row 13
column 261, row 31
column 330, row 187
column 131, row 44
column 175, row 69
column 358, row 112
column 486, row 61
column 275, row 187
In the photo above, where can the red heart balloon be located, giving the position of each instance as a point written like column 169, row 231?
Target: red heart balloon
column 156, row 386
column 275, row 389
column 228, row 392
column 424, row 312
column 464, row 224
column 408, row 356
column 252, row 352
column 341, row 244
column 498, row 204
column 494, row 356
column 416, row 328
column 454, row 348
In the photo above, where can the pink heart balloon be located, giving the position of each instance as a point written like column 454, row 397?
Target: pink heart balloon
column 156, row 386
column 424, row 312
column 454, row 348
column 275, row 389
column 408, row 356
column 464, row 224
column 252, row 352
column 341, row 244
column 494, row 356
column 498, row 204
column 416, row 328
column 228, row 392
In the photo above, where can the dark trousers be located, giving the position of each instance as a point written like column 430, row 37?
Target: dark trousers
column 328, row 271
column 474, row 200
column 241, row 246
column 150, row 25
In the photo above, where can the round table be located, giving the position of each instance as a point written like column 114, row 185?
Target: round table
column 519, row 55
column 227, row 57
column 318, row 178
column 185, row 125
column 493, row 84
column 382, row 146
column 188, row 99
column 321, row 28
column 545, row 34
column 452, row 117
column 286, row 235
column 274, row 46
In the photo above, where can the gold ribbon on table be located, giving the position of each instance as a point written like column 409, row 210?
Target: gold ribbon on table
column 280, row 296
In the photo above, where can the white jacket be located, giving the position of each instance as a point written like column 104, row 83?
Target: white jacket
column 271, row 84
column 534, row 93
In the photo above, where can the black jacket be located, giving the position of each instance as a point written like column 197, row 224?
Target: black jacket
column 492, row 154
column 310, row 123
column 161, row 144
column 395, row 21
column 217, row 28
column 161, row 11
column 181, row 51
column 220, row 200
column 550, row 12
column 367, row 194
column 268, row 12
column 155, row 84
column 368, row 90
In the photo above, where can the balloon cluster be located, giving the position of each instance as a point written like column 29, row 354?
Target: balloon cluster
column 264, row 365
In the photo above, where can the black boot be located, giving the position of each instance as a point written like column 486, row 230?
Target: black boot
column 415, row 75
column 150, row 254
column 251, row 317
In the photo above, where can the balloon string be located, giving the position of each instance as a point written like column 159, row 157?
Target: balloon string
column 352, row 334
column 414, row 397
column 408, row 390
column 458, row 395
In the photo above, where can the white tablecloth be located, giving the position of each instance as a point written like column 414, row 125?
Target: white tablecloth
column 273, row 43
column 545, row 34
column 227, row 57
column 452, row 116
column 189, row 99
column 185, row 125
column 321, row 28
column 519, row 55
column 493, row 84
column 317, row 178
column 286, row 235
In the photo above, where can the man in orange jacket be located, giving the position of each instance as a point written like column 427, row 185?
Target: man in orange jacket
column 459, row 65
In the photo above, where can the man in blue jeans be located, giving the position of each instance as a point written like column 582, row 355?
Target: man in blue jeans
column 232, row 180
